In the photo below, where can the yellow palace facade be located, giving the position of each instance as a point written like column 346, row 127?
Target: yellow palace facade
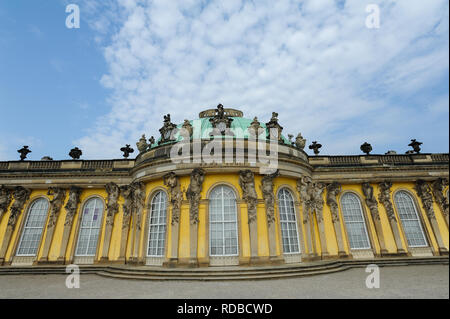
column 177, row 205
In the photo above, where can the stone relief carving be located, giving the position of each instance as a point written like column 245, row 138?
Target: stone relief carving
column 5, row 200
column 112, row 206
column 188, row 127
column 56, row 203
column 370, row 200
column 438, row 191
column 385, row 198
column 247, row 183
column 315, row 192
column 72, row 204
column 176, row 196
column 333, row 190
column 303, row 185
column 424, row 192
column 193, row 193
column 268, row 195
column 21, row 195
column 138, row 201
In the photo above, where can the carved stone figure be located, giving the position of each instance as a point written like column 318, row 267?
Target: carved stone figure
column 72, row 204
column 21, row 195
column 424, row 191
column 274, row 129
column 193, row 193
column 24, row 151
column 370, row 200
column 303, row 185
column 315, row 192
column 142, row 144
column 188, row 127
column 5, row 200
column 168, row 130
column 138, row 201
column 255, row 128
column 56, row 203
column 300, row 142
column 127, row 206
column 385, row 198
column 247, row 183
column 333, row 190
column 269, row 197
column 221, row 122
column 438, row 188
column 112, row 206
column 151, row 140
column 176, row 196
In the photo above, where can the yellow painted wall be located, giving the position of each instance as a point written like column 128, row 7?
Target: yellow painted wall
column 263, row 243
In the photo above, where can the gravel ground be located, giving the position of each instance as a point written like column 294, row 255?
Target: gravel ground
column 430, row 281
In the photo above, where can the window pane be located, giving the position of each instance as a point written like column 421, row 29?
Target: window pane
column 288, row 221
column 223, row 222
column 410, row 220
column 90, row 227
column 354, row 222
column 31, row 235
column 157, row 225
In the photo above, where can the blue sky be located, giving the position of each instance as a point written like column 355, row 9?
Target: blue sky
column 314, row 62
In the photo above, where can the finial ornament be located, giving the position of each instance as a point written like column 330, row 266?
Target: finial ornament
column 415, row 145
column 366, row 148
column 127, row 150
column 75, row 153
column 300, row 142
column 221, row 122
column 315, row 146
column 24, row 152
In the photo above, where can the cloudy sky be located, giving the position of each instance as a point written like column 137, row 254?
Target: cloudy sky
column 314, row 62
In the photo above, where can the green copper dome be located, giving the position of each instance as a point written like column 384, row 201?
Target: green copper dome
column 202, row 128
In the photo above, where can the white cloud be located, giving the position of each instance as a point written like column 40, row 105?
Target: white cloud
column 314, row 62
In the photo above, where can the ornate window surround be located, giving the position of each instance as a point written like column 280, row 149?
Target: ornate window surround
column 28, row 259
column 77, row 225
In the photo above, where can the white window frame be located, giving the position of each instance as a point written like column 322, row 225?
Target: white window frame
column 418, row 219
column 96, row 199
column 285, row 189
column 222, row 222
column 30, row 210
column 364, row 222
column 157, row 224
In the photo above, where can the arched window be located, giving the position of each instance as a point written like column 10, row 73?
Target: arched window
column 354, row 222
column 157, row 225
column 223, row 222
column 410, row 219
column 288, row 221
column 91, row 221
column 32, row 232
